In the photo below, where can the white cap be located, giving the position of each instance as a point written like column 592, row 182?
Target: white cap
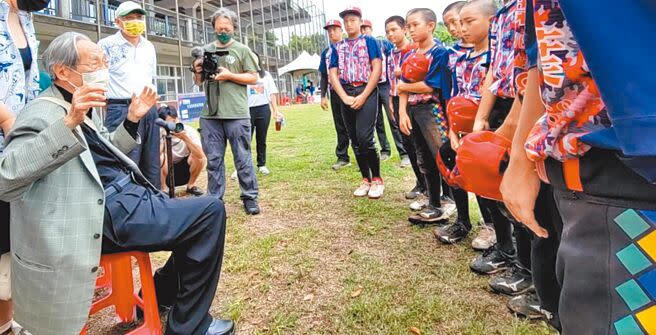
column 129, row 7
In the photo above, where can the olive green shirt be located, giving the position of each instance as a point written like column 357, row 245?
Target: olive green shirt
column 232, row 102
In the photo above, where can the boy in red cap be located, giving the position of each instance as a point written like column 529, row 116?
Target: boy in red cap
column 334, row 30
column 383, row 102
column 355, row 69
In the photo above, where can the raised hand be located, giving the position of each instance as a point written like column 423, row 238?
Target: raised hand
column 85, row 98
column 141, row 104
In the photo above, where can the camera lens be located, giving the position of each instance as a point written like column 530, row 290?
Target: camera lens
column 179, row 127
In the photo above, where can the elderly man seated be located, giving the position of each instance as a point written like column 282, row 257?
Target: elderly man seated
column 70, row 183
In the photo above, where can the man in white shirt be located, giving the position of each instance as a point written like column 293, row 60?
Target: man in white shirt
column 132, row 65
column 187, row 154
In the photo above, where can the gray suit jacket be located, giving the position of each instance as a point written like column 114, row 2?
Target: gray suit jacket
column 57, row 211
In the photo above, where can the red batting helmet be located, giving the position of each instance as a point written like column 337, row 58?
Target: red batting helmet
column 415, row 67
column 461, row 113
column 481, row 161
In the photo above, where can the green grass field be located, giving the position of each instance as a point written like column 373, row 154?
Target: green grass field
column 318, row 261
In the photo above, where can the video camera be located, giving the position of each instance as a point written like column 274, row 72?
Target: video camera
column 211, row 60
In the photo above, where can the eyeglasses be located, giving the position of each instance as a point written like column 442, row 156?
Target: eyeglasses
column 104, row 63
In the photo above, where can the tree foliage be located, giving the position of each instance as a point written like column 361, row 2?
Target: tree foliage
column 443, row 34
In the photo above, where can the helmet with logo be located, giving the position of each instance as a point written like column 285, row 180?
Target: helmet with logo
column 415, row 67
column 480, row 163
column 461, row 113
column 446, row 162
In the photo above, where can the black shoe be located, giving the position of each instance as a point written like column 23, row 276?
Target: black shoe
column 251, row 207
column 452, row 233
column 514, row 281
column 528, row 306
column 491, row 261
column 221, row 327
column 414, row 193
column 195, row 191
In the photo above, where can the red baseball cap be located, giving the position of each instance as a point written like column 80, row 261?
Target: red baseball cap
column 351, row 10
column 366, row 23
column 333, row 23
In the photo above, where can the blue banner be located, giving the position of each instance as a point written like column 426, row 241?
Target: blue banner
column 190, row 106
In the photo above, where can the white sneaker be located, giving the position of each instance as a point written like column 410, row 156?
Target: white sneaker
column 363, row 190
column 264, row 170
column 377, row 189
column 449, row 209
column 405, row 162
column 233, row 176
column 485, row 239
column 419, row 204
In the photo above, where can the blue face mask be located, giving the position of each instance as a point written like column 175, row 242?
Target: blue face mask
column 223, row 37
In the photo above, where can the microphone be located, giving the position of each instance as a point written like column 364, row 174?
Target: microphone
column 197, row 52
column 170, row 126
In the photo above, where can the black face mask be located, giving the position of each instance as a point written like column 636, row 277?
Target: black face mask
column 32, row 5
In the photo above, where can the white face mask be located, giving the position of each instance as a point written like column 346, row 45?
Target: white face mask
column 98, row 77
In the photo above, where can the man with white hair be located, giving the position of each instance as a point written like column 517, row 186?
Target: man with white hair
column 74, row 194
column 226, row 116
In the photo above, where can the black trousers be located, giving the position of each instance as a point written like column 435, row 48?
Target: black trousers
column 260, row 120
column 146, row 155
column 606, row 261
column 544, row 252
column 427, row 141
column 383, row 101
column 136, row 218
column 360, row 125
column 409, row 147
column 341, row 150
column 380, row 122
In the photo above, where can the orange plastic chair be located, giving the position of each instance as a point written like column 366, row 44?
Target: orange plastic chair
column 117, row 279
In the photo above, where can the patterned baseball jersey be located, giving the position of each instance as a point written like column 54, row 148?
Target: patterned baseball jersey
column 502, row 39
column 353, row 58
column 470, row 72
column 438, row 76
column 573, row 103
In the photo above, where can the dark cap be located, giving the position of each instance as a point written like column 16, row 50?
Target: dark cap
column 351, row 10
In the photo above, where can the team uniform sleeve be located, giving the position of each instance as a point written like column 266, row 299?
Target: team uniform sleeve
column 439, row 75
column 530, row 40
column 334, row 58
column 627, row 86
column 373, row 49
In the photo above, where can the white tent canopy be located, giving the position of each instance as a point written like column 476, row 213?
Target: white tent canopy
column 304, row 63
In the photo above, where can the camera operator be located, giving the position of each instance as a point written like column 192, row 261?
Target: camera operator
column 187, row 154
column 226, row 116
